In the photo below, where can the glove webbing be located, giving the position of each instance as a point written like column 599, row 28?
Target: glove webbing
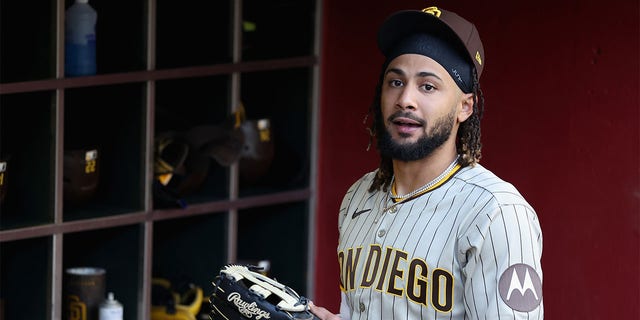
column 288, row 303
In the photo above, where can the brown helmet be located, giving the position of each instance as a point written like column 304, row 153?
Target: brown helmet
column 81, row 175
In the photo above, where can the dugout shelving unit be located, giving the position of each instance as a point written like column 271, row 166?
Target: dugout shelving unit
column 162, row 66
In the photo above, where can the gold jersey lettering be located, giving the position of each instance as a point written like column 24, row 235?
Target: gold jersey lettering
column 417, row 281
column 351, row 264
column 396, row 272
column 442, row 290
column 341, row 265
column 371, row 266
column 385, row 265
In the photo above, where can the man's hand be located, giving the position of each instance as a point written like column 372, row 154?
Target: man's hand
column 322, row 313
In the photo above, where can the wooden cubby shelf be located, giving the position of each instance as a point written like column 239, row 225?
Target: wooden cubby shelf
column 80, row 181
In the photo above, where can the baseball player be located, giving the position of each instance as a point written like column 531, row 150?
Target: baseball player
column 432, row 234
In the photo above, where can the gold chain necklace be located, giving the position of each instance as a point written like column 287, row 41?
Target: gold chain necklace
column 439, row 180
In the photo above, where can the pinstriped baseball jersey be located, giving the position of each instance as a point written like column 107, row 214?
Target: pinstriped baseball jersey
column 469, row 249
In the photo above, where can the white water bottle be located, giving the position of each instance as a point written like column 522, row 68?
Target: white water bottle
column 111, row 309
column 80, row 39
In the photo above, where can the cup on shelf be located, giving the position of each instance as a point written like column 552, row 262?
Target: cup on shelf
column 84, row 291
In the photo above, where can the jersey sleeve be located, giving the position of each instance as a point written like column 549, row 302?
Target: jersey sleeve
column 356, row 189
column 502, row 270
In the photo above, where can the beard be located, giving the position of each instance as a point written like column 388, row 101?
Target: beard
column 423, row 147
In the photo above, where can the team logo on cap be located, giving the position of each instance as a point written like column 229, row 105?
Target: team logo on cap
column 432, row 10
column 520, row 287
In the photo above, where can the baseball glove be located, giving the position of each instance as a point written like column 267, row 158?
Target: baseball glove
column 242, row 293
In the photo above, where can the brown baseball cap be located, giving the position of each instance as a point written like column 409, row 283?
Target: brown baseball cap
column 435, row 21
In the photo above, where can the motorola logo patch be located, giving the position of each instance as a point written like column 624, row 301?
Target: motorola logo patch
column 521, row 288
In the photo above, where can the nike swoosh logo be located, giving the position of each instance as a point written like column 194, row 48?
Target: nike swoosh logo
column 357, row 213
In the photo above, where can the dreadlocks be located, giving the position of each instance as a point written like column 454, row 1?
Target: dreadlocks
column 468, row 143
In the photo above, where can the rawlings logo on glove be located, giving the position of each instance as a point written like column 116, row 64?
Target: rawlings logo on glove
column 248, row 310
column 240, row 293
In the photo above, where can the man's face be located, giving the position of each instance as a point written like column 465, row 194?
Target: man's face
column 421, row 108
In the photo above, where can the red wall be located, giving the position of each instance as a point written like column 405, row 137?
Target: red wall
column 561, row 83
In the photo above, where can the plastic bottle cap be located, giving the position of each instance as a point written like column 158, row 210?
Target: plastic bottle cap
column 110, row 296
